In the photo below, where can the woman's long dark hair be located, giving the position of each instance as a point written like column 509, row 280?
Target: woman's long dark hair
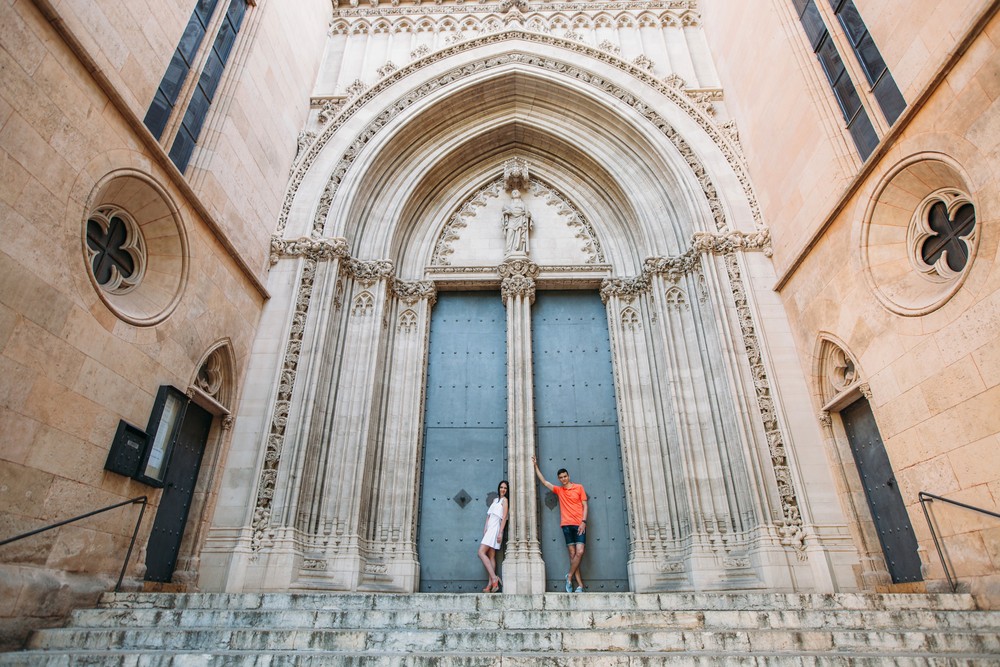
column 502, row 482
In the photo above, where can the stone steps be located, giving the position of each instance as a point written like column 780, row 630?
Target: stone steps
column 614, row 629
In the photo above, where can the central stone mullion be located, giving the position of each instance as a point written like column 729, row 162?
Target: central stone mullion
column 523, row 568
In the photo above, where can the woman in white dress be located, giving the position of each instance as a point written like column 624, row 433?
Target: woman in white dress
column 496, row 521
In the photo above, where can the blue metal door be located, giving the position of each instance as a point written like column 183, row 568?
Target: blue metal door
column 465, row 428
column 578, row 430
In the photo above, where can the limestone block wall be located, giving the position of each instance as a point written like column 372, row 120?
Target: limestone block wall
column 925, row 342
column 74, row 358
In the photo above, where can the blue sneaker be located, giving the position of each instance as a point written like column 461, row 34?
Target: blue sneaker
column 569, row 585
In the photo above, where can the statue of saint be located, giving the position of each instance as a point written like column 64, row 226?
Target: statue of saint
column 516, row 225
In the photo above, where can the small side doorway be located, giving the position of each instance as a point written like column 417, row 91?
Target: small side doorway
column 178, row 490
column 895, row 532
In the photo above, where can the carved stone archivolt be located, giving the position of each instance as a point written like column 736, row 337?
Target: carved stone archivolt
column 581, row 75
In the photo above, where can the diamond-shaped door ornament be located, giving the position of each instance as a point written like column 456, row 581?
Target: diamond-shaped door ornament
column 462, row 498
column 551, row 500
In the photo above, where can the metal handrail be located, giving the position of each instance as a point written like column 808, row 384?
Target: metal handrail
column 924, row 498
column 142, row 500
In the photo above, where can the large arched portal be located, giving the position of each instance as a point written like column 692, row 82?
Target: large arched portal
column 590, row 227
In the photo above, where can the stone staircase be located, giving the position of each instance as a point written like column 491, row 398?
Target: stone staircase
column 151, row 629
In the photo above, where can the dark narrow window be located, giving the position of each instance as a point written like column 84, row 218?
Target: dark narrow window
column 858, row 123
column 201, row 100
column 178, row 68
column 883, row 85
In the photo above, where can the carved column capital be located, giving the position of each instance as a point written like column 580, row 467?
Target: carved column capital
column 370, row 272
column 626, row 289
column 518, row 279
column 311, row 247
column 411, row 292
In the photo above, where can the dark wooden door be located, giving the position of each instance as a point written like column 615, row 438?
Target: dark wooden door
column 178, row 490
column 899, row 544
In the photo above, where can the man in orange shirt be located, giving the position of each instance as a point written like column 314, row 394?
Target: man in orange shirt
column 573, row 518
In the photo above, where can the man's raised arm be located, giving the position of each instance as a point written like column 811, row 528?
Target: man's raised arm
column 538, row 473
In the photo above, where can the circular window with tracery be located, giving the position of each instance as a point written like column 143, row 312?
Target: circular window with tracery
column 116, row 250
column 942, row 234
column 920, row 236
column 135, row 247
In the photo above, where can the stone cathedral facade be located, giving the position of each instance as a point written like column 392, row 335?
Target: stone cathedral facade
column 733, row 266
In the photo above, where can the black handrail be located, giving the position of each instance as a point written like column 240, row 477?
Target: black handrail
column 140, row 499
column 924, row 498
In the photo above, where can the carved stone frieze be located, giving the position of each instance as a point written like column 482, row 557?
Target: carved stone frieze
column 582, row 75
column 314, row 564
column 677, row 12
column 721, row 244
column 518, row 279
column 310, row 247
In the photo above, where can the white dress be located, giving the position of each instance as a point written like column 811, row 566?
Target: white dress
column 494, row 516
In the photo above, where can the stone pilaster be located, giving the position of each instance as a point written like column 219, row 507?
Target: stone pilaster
column 523, row 569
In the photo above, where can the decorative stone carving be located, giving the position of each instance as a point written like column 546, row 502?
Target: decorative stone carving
column 364, row 305
column 458, row 221
column 330, row 108
column 370, row 272
column 518, row 279
column 606, row 45
column 825, row 419
column 407, row 321
column 515, row 174
column 279, row 417
column 865, row 390
column 581, row 75
column 627, row 289
column 313, row 564
column 642, row 62
column 631, row 320
column 386, row 69
column 316, row 249
column 516, row 222
column 790, row 525
column 411, row 292
column 420, row 52
column 356, row 89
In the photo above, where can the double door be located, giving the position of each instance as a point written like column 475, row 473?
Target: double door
column 465, row 443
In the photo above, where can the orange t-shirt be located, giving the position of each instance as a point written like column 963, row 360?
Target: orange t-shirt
column 570, row 503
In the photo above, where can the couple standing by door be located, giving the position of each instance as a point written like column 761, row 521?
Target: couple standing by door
column 573, row 519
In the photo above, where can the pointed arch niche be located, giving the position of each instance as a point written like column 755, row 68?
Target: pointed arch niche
column 398, row 200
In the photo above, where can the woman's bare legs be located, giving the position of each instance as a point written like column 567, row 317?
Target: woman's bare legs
column 488, row 556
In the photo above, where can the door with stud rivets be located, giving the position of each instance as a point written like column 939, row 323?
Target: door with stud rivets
column 465, row 427
column 577, row 428
column 895, row 532
column 178, row 492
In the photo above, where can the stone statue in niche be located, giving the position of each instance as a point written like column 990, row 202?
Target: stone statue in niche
column 516, row 225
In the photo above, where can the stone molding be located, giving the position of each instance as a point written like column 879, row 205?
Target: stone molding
column 718, row 135
column 371, row 271
column 681, row 13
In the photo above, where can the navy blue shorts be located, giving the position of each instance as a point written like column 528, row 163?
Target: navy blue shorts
column 572, row 536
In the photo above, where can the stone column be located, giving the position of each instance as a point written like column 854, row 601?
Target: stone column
column 523, row 569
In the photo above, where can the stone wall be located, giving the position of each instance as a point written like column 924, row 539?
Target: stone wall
column 924, row 339
column 76, row 358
